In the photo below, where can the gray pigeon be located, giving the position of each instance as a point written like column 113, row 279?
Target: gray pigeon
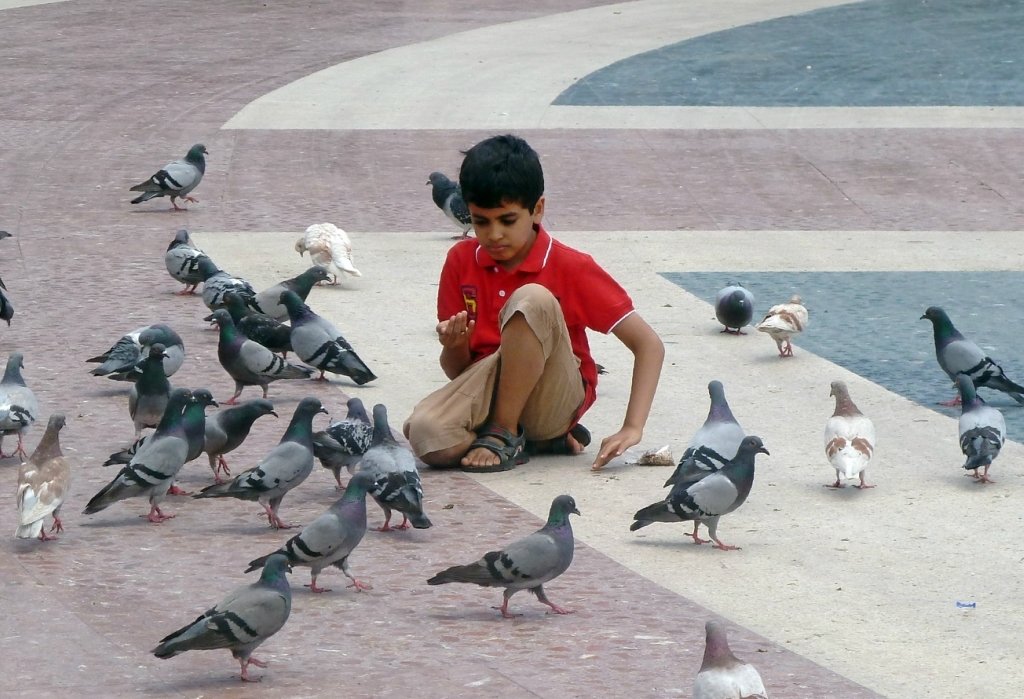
column 18, row 405
column 227, row 429
column 397, row 482
column 716, row 494
column 982, row 430
column 241, row 621
column 270, row 299
column 217, row 282
column 448, row 198
column 525, row 564
column 734, row 308
column 176, row 179
column 285, row 467
column 958, row 355
column 343, row 443
column 193, row 422
column 154, row 466
column 714, row 444
column 148, row 396
column 318, row 343
column 330, row 538
column 122, row 361
column 722, row 675
column 43, row 483
column 250, row 363
column 182, row 262
column 259, row 327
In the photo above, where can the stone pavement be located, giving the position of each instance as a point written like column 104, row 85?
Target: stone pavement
column 833, row 594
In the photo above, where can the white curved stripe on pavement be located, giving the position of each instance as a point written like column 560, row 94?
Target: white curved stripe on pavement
column 505, row 77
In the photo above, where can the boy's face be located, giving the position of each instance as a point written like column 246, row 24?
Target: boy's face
column 507, row 232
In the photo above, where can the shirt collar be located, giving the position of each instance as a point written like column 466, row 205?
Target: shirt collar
column 535, row 260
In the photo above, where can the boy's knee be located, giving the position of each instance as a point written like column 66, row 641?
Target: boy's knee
column 535, row 302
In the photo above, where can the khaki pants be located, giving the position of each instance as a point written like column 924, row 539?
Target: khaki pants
column 452, row 414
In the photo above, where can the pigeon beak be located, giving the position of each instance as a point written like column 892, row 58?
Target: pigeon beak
column 762, row 450
column 214, row 403
column 323, row 410
column 576, row 512
column 924, row 317
column 274, row 413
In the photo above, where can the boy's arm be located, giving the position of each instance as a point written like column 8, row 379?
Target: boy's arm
column 453, row 334
column 648, row 356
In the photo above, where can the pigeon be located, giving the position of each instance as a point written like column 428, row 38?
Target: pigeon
column 393, row 468
column 722, row 675
column 782, row 322
column 154, row 466
column 270, row 299
column 982, row 430
column 328, row 247
column 18, row 405
column 707, row 499
column 217, row 282
column 285, row 467
column 958, row 355
column 227, row 429
column 122, row 361
column 318, row 343
column 330, row 538
column 148, row 396
column 525, row 564
column 250, row 363
column 259, row 327
column 734, row 308
column 176, row 179
column 343, row 443
column 849, row 439
column 182, row 262
column 6, row 307
column 4, row 234
column 448, row 197
column 43, row 483
column 714, row 444
column 240, row 622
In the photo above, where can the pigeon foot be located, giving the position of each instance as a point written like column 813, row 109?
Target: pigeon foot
column 725, row 547
column 697, row 540
column 953, row 403
column 314, row 588
column 58, row 526
column 837, row 484
column 156, row 516
column 360, row 586
column 505, row 613
column 43, row 536
column 175, row 490
column 245, row 668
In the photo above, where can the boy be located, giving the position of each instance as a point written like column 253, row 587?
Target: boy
column 513, row 308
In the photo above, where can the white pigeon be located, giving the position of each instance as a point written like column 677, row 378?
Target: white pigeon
column 849, row 439
column 722, row 675
column 328, row 247
column 783, row 321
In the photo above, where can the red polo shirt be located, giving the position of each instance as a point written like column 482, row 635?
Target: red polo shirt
column 472, row 281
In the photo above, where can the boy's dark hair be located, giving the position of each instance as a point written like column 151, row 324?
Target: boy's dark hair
column 499, row 170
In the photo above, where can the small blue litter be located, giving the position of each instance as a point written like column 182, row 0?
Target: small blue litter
column 960, row 604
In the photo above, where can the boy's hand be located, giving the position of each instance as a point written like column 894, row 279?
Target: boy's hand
column 614, row 446
column 456, row 330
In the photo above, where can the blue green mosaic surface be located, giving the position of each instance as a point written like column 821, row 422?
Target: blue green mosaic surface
column 869, row 323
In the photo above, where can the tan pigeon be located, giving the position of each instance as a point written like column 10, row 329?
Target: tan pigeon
column 849, row 439
column 43, row 482
column 783, row 321
column 328, row 247
column 722, row 675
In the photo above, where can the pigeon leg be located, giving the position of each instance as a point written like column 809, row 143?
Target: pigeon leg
column 713, row 533
column 43, row 536
column 387, row 519
column 952, row 403
column 788, row 351
column 245, row 663
column 320, row 378
column 543, row 599
column 696, row 539
column 360, row 586
column 175, row 205
column 837, row 484
column 238, row 391
column 187, row 291
column 223, row 466
column 725, row 547
column 58, row 526
column 863, row 485
column 405, row 522
column 175, row 490
column 504, row 606
column 20, row 451
column 275, row 521
column 191, row 199
column 156, row 516
column 313, row 586
column 984, row 477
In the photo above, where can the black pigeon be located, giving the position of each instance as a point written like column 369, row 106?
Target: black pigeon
column 734, row 308
column 448, row 197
